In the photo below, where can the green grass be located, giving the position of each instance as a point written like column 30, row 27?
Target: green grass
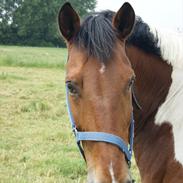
column 32, row 57
column 36, row 142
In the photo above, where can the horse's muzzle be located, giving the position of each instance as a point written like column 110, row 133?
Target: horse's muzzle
column 102, row 179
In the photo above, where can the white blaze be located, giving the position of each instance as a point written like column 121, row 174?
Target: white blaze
column 102, row 69
column 111, row 171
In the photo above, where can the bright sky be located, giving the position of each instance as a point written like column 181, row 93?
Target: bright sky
column 165, row 14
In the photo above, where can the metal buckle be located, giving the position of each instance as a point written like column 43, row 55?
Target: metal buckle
column 74, row 130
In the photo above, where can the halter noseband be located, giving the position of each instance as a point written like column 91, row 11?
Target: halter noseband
column 101, row 136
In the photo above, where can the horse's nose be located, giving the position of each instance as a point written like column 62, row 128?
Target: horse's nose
column 128, row 181
column 98, row 181
column 95, row 176
column 93, row 180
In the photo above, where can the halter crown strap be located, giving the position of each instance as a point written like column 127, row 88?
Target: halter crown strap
column 101, row 136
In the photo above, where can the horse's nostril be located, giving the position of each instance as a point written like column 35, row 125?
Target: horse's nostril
column 129, row 181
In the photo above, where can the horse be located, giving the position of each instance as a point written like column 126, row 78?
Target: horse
column 116, row 62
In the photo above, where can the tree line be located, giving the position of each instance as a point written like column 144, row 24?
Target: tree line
column 34, row 22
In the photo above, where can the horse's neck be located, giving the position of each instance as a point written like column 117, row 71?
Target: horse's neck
column 153, row 80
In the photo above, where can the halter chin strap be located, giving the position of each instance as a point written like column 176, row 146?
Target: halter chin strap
column 101, row 136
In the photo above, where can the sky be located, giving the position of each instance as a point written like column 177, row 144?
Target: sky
column 163, row 14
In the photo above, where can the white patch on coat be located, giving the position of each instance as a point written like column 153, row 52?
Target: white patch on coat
column 171, row 111
column 171, row 45
column 91, row 177
column 102, row 69
column 111, row 171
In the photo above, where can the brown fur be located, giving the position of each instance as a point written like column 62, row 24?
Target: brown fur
column 153, row 145
column 101, row 94
column 103, row 102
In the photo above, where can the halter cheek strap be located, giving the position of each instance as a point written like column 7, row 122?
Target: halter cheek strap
column 101, row 136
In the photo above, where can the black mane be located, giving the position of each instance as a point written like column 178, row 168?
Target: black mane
column 143, row 38
column 98, row 36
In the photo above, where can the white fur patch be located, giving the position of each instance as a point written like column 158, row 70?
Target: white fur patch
column 171, row 110
column 171, row 45
column 112, row 173
column 102, row 69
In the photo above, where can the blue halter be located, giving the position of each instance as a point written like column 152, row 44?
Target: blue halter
column 101, row 136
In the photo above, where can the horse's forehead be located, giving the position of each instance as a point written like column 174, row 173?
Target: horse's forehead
column 80, row 65
column 75, row 63
column 79, row 62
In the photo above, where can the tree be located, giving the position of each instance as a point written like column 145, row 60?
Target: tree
column 35, row 22
column 7, row 9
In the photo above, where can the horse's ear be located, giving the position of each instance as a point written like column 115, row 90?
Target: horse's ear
column 69, row 21
column 124, row 20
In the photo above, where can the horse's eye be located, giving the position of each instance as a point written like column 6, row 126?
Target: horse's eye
column 72, row 88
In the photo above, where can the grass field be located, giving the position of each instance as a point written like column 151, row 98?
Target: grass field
column 36, row 142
